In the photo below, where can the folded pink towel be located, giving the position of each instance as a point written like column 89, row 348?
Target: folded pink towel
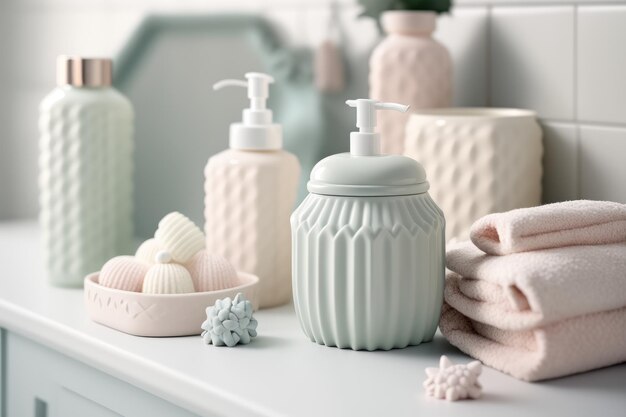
column 570, row 223
column 570, row 346
column 530, row 289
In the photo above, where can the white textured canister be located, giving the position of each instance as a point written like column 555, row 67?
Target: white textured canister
column 479, row 161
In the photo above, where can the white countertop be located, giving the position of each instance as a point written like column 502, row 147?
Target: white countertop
column 281, row 373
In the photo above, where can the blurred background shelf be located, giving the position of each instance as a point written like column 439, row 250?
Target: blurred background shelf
column 552, row 56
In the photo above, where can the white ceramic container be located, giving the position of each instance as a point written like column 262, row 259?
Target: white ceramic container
column 250, row 193
column 368, row 248
column 478, row 160
column 85, row 171
column 143, row 314
column 410, row 67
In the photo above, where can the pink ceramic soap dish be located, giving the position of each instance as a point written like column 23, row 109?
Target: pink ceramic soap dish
column 158, row 315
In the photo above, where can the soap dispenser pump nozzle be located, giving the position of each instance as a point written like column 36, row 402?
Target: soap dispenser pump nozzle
column 366, row 142
column 256, row 132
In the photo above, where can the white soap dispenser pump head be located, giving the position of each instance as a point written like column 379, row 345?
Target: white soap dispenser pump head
column 366, row 142
column 256, row 132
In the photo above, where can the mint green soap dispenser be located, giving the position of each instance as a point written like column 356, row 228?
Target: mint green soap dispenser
column 368, row 246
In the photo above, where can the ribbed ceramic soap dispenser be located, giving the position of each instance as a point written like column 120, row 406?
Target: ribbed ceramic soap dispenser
column 250, row 193
column 368, row 247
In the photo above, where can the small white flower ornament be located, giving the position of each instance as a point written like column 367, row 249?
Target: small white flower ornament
column 453, row 382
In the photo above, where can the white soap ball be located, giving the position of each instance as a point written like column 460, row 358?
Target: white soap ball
column 167, row 278
column 123, row 273
column 179, row 236
column 148, row 250
column 211, row 272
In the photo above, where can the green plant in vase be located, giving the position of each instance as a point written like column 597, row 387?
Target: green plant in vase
column 374, row 8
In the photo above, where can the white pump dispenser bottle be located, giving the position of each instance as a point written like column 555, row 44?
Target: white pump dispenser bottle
column 368, row 246
column 250, row 190
column 366, row 142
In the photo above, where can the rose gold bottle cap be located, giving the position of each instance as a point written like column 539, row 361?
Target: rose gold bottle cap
column 84, row 72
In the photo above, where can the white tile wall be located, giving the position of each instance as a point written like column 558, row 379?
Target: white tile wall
column 562, row 58
column 465, row 33
column 22, row 161
column 560, row 162
column 566, row 60
column 602, row 163
column 532, row 59
column 601, row 57
column 40, row 35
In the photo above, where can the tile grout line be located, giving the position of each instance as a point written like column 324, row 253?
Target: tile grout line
column 578, row 162
column 540, row 3
column 575, row 100
column 575, row 63
column 3, row 371
column 590, row 123
column 488, row 57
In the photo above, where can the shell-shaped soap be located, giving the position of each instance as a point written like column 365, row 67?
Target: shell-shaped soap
column 148, row 250
column 167, row 278
column 211, row 272
column 123, row 273
column 179, row 236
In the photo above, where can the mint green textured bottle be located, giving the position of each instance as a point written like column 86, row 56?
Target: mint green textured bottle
column 85, row 171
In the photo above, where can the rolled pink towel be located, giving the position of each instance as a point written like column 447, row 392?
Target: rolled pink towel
column 580, row 222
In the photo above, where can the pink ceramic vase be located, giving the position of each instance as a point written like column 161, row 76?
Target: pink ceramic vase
column 408, row 67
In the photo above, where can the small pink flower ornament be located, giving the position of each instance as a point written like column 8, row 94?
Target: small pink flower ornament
column 453, row 382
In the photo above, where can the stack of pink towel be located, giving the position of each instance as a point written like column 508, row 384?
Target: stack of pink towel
column 541, row 292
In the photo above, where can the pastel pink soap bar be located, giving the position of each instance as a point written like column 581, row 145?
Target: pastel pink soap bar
column 211, row 272
column 124, row 273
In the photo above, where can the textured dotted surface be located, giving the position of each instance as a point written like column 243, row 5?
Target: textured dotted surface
column 85, row 185
column 477, row 167
column 413, row 70
column 249, row 198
